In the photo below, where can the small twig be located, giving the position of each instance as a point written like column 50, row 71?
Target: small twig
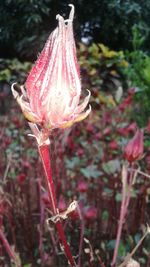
column 9, row 249
column 126, row 195
column 129, row 256
column 89, row 251
column 143, row 173
column 122, row 214
column 81, row 235
column 7, row 170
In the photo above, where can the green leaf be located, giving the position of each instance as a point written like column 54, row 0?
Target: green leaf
column 105, row 215
column 72, row 163
column 111, row 166
column 111, row 244
column 118, row 197
column 91, row 171
column 108, row 191
column 122, row 250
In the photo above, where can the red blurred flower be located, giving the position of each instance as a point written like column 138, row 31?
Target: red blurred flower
column 134, row 149
column 123, row 131
column 80, row 152
column 90, row 213
column 132, row 127
column 113, row 145
column 21, row 177
column 82, row 186
column 17, row 122
column 7, row 141
column 26, row 164
column 132, row 91
column 126, row 102
column 53, row 87
column 107, row 131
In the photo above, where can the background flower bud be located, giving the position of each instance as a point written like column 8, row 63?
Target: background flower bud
column 134, row 149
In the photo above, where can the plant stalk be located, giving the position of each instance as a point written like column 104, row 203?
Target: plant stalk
column 46, row 161
column 8, row 248
column 126, row 194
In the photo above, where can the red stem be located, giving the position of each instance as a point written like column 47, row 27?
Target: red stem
column 45, row 156
column 41, row 223
column 8, row 247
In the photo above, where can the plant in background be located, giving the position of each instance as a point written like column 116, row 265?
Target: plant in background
column 138, row 73
column 50, row 100
column 132, row 152
column 102, row 66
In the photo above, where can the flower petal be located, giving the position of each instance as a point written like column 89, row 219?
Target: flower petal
column 82, row 106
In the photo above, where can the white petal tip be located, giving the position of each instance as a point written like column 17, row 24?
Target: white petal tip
column 71, row 16
column 14, row 92
column 59, row 18
column 71, row 5
column 89, row 93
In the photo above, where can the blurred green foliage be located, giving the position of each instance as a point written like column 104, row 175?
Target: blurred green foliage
column 25, row 24
column 101, row 67
column 138, row 75
column 13, row 70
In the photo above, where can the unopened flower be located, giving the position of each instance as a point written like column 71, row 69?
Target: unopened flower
column 90, row 213
column 21, row 178
column 82, row 186
column 113, row 145
column 53, row 88
column 134, row 149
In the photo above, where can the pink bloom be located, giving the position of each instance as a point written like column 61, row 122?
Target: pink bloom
column 113, row 145
column 132, row 127
column 123, row 131
column 134, row 149
column 107, row 131
column 53, row 87
column 82, row 186
column 90, row 213
column 21, row 177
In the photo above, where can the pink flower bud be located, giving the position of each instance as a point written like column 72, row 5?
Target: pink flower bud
column 53, row 87
column 21, row 178
column 82, row 186
column 90, row 213
column 134, row 149
column 113, row 145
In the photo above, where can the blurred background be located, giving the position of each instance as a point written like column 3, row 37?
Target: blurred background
column 113, row 50
column 25, row 25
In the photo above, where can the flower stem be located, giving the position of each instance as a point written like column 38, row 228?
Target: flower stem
column 8, row 248
column 126, row 194
column 45, row 156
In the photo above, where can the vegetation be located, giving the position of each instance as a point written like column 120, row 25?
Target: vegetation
column 25, row 25
column 89, row 161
